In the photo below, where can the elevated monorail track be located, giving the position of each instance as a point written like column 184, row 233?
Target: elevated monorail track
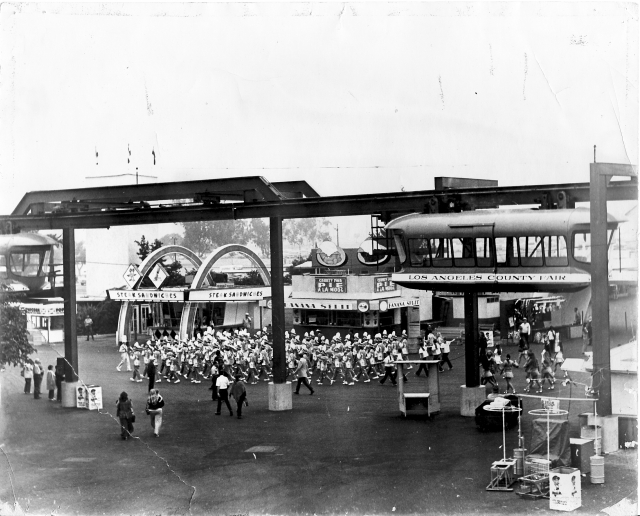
column 188, row 201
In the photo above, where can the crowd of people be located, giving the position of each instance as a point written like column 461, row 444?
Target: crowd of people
column 237, row 353
column 33, row 371
column 538, row 371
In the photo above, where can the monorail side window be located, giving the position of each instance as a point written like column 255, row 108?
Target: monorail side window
column 484, row 255
column 531, row 251
column 462, row 252
column 506, row 251
column 441, row 252
column 555, row 247
column 419, row 252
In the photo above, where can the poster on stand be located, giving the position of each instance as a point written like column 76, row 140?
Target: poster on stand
column 564, row 489
column 81, row 398
column 95, row 397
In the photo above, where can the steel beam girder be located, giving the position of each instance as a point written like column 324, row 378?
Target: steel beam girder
column 230, row 189
column 392, row 203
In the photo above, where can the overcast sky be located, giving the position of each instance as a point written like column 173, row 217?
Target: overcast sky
column 353, row 98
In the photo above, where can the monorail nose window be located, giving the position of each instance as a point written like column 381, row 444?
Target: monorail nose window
column 582, row 245
column 27, row 264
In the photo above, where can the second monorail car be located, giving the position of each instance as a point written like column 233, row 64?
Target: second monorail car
column 495, row 250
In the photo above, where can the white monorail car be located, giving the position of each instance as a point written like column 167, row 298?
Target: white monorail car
column 495, row 250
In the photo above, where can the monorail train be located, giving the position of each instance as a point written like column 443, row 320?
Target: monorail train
column 495, row 250
column 26, row 261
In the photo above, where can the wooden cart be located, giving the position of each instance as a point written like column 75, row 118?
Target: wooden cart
column 419, row 397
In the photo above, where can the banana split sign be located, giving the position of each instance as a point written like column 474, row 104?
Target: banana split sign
column 230, row 294
column 146, row 295
column 321, row 304
column 390, row 304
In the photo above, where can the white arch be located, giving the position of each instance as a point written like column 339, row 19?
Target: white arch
column 189, row 312
column 124, row 319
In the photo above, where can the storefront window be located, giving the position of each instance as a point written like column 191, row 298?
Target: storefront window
column 348, row 318
column 315, row 317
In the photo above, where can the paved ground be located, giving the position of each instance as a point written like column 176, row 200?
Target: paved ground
column 343, row 450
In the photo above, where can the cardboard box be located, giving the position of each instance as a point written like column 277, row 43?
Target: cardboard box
column 564, row 489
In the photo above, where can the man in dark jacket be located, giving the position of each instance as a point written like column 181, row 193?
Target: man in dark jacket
column 151, row 373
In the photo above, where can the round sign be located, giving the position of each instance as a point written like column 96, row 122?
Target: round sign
column 269, row 304
column 384, row 305
column 330, row 255
column 370, row 254
column 363, row 306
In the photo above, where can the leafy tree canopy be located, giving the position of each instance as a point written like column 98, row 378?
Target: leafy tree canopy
column 202, row 237
column 14, row 337
column 145, row 248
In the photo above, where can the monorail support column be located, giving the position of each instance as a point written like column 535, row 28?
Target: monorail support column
column 280, row 391
column 473, row 394
column 600, row 175
column 600, row 291
column 70, row 334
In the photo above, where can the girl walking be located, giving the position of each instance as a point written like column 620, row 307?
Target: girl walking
column 507, row 373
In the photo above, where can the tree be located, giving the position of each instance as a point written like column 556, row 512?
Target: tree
column 306, row 231
column 292, row 268
column 145, row 248
column 172, row 239
column 202, row 237
column 14, row 337
column 252, row 278
column 259, row 231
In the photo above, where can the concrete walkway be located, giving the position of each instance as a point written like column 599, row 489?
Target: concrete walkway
column 343, row 450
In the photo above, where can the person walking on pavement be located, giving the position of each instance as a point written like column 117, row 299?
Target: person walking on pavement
column 51, row 383
column 239, row 393
column 37, row 378
column 388, row 369
column 124, row 356
column 27, row 372
column 222, row 387
column 124, row 412
column 424, row 355
column 446, row 349
column 525, row 330
column 302, row 371
column 151, row 371
column 154, row 410
column 59, row 380
column 88, row 327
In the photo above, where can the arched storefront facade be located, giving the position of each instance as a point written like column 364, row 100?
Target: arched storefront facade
column 192, row 318
column 132, row 321
column 183, row 311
